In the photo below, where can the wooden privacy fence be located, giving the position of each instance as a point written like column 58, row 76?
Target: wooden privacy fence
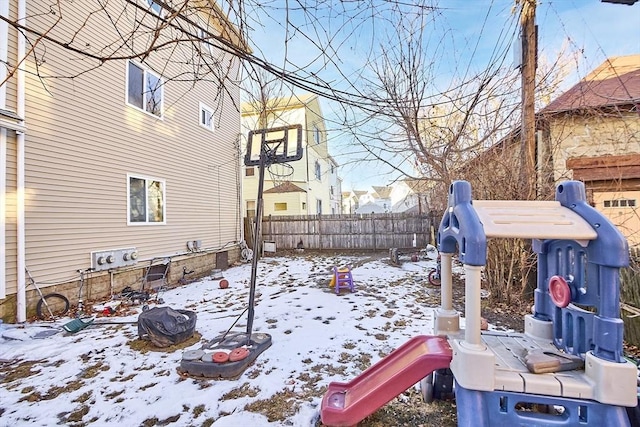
column 353, row 232
column 630, row 299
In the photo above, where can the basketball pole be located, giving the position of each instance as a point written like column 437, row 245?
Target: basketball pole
column 256, row 239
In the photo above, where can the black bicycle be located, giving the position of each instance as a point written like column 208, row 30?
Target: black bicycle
column 50, row 306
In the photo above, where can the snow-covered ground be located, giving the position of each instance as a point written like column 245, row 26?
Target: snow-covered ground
column 95, row 377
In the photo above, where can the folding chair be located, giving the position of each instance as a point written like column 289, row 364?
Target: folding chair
column 155, row 275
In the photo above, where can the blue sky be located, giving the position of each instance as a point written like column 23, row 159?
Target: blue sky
column 474, row 32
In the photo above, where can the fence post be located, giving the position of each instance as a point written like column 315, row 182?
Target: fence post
column 320, row 230
column 373, row 223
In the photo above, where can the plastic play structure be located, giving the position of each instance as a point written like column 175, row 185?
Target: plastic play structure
column 566, row 369
column 342, row 279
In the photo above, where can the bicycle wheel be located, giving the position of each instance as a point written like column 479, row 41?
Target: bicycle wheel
column 434, row 278
column 51, row 306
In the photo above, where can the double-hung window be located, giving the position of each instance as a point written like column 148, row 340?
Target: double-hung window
column 207, row 47
column 318, row 171
column 206, row 117
column 146, row 200
column 144, row 89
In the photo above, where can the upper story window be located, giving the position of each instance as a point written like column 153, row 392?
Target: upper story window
column 316, row 134
column 206, row 117
column 154, row 7
column 249, row 171
column 206, row 46
column 318, row 171
column 144, row 90
column 146, row 200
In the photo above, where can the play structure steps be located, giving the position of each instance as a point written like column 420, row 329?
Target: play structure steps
column 342, row 279
column 346, row 404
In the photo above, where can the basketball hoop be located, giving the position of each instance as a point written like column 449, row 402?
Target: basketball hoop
column 280, row 173
column 267, row 147
column 278, row 145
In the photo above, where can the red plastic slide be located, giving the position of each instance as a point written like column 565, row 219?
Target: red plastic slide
column 346, row 404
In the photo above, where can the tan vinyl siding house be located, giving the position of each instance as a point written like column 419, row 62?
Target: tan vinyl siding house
column 86, row 141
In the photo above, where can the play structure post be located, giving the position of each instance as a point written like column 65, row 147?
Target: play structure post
column 472, row 305
column 447, row 319
column 446, row 282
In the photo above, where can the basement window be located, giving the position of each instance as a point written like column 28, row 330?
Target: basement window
column 145, row 200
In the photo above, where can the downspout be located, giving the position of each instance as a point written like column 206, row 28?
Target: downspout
column 4, row 55
column 21, row 315
column 240, row 179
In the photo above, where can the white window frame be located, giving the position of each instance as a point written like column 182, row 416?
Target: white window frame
column 145, row 73
column 318, row 171
column 319, row 206
column 205, row 43
column 206, row 109
column 146, row 180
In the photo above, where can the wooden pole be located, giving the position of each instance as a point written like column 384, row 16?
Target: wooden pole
column 528, row 73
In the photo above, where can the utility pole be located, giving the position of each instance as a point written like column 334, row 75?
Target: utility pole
column 528, row 73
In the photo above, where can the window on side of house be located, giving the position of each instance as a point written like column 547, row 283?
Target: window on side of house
column 206, row 117
column 280, row 206
column 316, row 134
column 146, row 200
column 621, row 203
column 154, row 7
column 318, row 171
column 144, row 90
column 249, row 171
column 205, row 44
column 318, row 206
column 251, row 208
column 304, row 206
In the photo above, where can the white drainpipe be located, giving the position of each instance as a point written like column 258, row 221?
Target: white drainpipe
column 21, row 314
column 4, row 56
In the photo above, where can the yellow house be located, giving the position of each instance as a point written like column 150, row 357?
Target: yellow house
column 115, row 139
column 307, row 186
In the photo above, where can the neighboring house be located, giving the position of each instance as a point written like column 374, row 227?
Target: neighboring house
column 121, row 159
column 376, row 200
column 590, row 133
column 349, row 202
column 593, row 133
column 304, row 187
column 335, row 187
column 371, row 208
column 410, row 196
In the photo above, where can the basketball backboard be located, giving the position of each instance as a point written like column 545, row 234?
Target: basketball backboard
column 281, row 145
